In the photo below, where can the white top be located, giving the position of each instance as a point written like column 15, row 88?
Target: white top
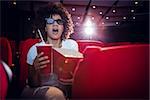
column 66, row 44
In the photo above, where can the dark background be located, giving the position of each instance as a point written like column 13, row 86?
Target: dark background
column 17, row 19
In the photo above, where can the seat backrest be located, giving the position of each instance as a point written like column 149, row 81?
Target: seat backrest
column 23, row 49
column 114, row 72
column 4, row 82
column 5, row 79
column 82, row 84
column 127, row 70
column 84, row 43
column 116, row 44
column 5, row 51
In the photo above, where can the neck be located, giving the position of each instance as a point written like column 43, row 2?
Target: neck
column 56, row 43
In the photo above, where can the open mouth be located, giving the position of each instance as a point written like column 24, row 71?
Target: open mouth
column 55, row 30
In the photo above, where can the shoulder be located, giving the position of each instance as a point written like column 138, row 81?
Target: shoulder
column 32, row 53
column 70, row 44
column 69, row 41
column 33, row 47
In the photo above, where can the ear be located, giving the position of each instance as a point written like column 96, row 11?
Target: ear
column 45, row 29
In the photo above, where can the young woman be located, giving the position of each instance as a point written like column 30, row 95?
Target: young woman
column 58, row 26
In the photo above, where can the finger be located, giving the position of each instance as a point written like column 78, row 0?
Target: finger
column 44, row 62
column 43, row 66
column 43, row 58
column 40, row 67
column 40, row 55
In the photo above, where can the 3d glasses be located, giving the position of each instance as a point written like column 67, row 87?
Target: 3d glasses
column 51, row 21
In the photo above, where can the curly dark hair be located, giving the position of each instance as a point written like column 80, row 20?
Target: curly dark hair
column 52, row 9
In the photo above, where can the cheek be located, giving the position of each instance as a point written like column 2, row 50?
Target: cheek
column 62, row 28
column 48, row 28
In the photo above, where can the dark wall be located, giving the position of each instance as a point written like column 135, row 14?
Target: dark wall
column 15, row 24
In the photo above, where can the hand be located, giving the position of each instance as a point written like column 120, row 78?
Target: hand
column 41, row 61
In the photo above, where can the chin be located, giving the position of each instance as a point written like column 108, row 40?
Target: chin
column 55, row 38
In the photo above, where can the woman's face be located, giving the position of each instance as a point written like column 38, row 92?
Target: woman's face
column 55, row 29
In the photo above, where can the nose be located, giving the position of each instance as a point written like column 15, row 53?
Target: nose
column 55, row 23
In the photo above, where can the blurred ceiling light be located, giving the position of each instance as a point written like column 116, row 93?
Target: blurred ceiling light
column 136, row 2
column 14, row 3
column 103, row 23
column 113, row 10
column 117, row 23
column 89, row 27
column 107, row 17
column 88, row 30
column 93, row 6
column 88, row 23
column 100, row 12
column 28, row 18
column 77, row 23
column 78, row 17
column 132, row 10
column 73, row 9
column 93, row 18
column 124, row 17
column 133, row 17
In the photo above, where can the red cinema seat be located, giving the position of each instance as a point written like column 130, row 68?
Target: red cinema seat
column 128, row 70
column 116, row 44
column 84, row 43
column 5, row 76
column 5, row 51
column 114, row 72
column 23, row 49
column 86, row 74
column 4, row 82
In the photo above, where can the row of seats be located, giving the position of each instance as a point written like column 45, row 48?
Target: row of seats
column 25, row 45
column 113, row 72
column 9, row 49
column 7, row 54
column 107, row 70
column 84, row 43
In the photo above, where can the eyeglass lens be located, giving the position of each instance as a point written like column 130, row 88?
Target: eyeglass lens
column 51, row 21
